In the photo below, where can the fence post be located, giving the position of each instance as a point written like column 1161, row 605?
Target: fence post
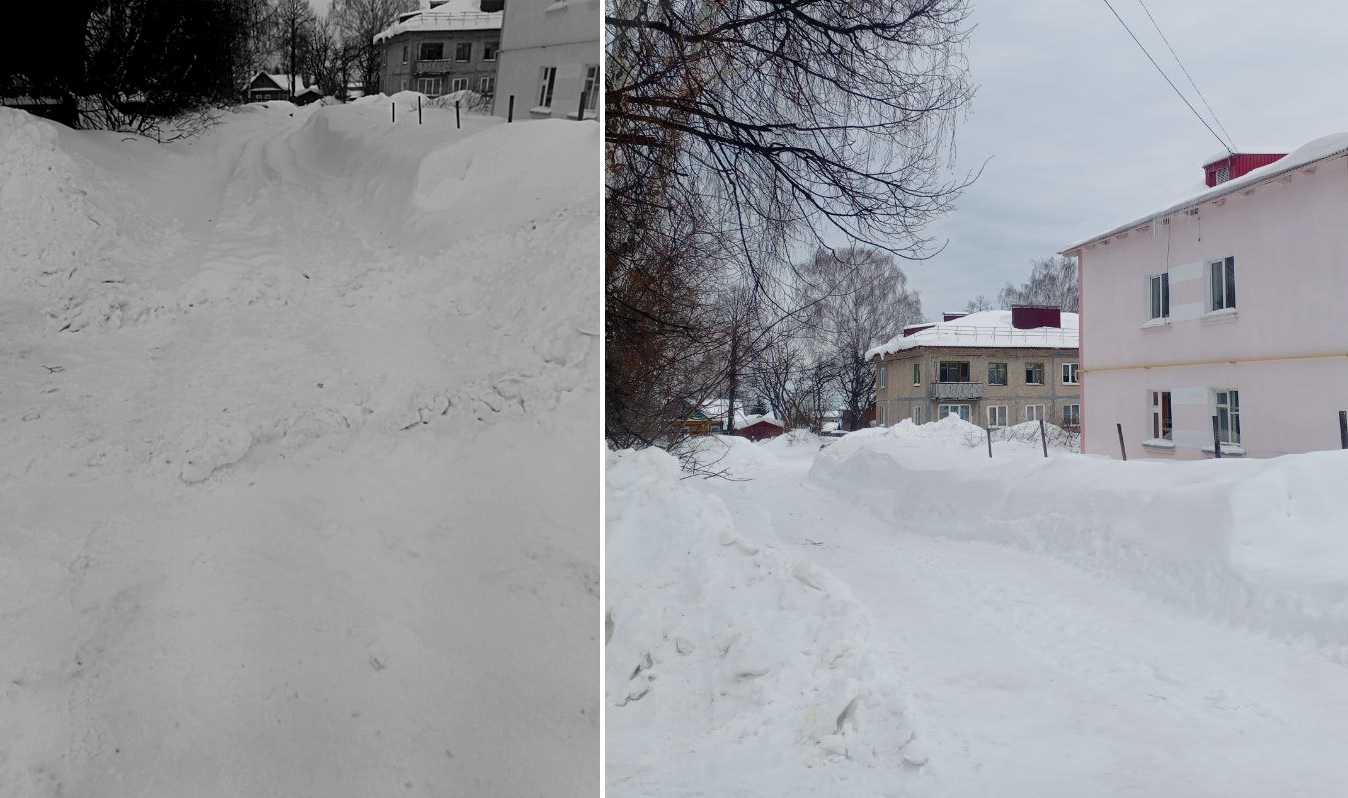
column 1122, row 450
column 418, row 109
column 510, row 110
column 1343, row 428
column 1216, row 440
column 989, row 431
column 456, row 114
column 393, row 112
column 580, row 112
column 1043, row 436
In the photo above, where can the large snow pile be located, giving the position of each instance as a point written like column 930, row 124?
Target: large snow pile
column 297, row 467
column 1256, row 543
column 728, row 657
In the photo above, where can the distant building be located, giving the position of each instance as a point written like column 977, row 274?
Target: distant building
column 996, row 368
column 267, row 86
column 447, row 46
column 549, row 59
column 1227, row 305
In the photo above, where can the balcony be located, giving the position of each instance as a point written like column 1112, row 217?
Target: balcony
column 435, row 67
column 955, row 390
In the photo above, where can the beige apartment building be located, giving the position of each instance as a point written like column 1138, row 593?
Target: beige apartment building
column 996, row 368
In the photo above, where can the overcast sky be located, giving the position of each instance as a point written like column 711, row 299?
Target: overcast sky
column 1084, row 134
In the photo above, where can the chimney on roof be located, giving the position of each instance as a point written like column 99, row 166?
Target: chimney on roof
column 917, row 328
column 952, row 316
column 1032, row 317
column 1234, row 164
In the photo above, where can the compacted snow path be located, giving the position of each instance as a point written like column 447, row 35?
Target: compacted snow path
column 1027, row 676
column 297, row 482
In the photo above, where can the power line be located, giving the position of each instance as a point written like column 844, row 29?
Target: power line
column 1178, row 93
column 1185, row 71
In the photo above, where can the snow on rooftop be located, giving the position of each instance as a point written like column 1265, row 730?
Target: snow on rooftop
column 451, row 15
column 281, row 80
column 989, row 328
column 1331, row 146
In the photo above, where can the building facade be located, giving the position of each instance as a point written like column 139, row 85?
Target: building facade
column 549, row 60
column 446, row 47
column 1228, row 305
column 983, row 368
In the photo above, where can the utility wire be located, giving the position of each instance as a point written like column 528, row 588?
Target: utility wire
column 1180, row 94
column 1185, row 71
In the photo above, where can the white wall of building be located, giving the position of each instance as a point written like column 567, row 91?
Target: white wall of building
column 538, row 34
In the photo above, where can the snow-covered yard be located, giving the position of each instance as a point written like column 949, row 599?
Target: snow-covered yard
column 898, row 614
column 297, row 457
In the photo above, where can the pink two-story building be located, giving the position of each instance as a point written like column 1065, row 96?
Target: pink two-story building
column 1231, row 304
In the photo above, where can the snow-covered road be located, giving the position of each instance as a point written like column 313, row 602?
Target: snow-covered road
column 1023, row 675
column 297, row 481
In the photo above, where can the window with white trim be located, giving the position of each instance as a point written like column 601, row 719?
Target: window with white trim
column 486, row 86
column 954, row 371
column 429, row 86
column 458, row 84
column 996, row 374
column 591, row 87
column 960, row 410
column 1071, row 417
column 917, row 414
column 1034, row 373
column 1227, row 401
column 1158, row 293
column 1069, row 374
column 402, row 84
column 1222, row 280
column 489, row 51
column 882, row 377
column 547, row 78
column 1161, row 421
column 463, row 51
column 996, row 416
column 882, row 413
column 1034, row 412
column 1221, row 174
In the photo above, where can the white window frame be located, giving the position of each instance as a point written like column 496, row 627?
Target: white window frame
column 1221, row 174
column 1158, row 296
column 1222, row 284
column 1226, row 401
column 1006, row 372
column 489, row 50
column 431, row 87
column 963, row 410
column 1028, row 365
column 591, row 87
column 547, row 81
column 1073, row 410
column 486, row 85
column 403, row 84
column 1162, row 415
column 917, row 414
column 1034, row 413
column 458, row 84
column 996, row 416
column 1070, row 374
column 458, row 47
column 882, row 412
column 882, row 377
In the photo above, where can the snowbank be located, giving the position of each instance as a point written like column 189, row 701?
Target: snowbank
column 1259, row 544
column 728, row 657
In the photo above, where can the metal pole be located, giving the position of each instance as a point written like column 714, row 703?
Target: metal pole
column 1343, row 428
column 418, row 109
column 456, row 114
column 1043, row 436
column 1216, row 440
column 989, row 430
column 1122, row 450
column 393, row 112
column 510, row 110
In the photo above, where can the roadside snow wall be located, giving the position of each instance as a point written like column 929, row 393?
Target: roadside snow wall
column 1261, row 544
column 722, row 648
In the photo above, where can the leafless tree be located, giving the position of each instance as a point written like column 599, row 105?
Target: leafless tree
column 295, row 32
column 1053, row 281
column 738, row 130
column 978, row 304
column 358, row 22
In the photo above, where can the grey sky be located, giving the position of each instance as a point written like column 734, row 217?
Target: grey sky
column 1084, row 134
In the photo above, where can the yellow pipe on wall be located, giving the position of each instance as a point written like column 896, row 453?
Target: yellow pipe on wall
column 1222, row 362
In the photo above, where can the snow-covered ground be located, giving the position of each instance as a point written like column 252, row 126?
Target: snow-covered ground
column 297, row 457
column 898, row 614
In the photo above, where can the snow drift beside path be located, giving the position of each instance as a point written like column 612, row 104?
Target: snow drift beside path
column 1257, row 543
column 728, row 657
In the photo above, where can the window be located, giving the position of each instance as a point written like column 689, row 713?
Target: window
column 1223, row 174
column 486, row 86
column 591, row 81
column 954, row 371
column 463, row 51
column 997, row 415
column 404, row 56
column 489, row 51
column 996, row 374
column 917, row 373
column 917, row 414
column 881, row 376
column 458, row 84
column 402, row 84
column 1071, row 417
column 1034, row 373
column 1034, row 412
column 432, row 51
column 1228, row 416
column 546, row 81
column 882, row 413
column 1160, row 415
column 429, row 86
column 945, row 410
column 1159, row 292
column 1069, row 374
column 1222, row 274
